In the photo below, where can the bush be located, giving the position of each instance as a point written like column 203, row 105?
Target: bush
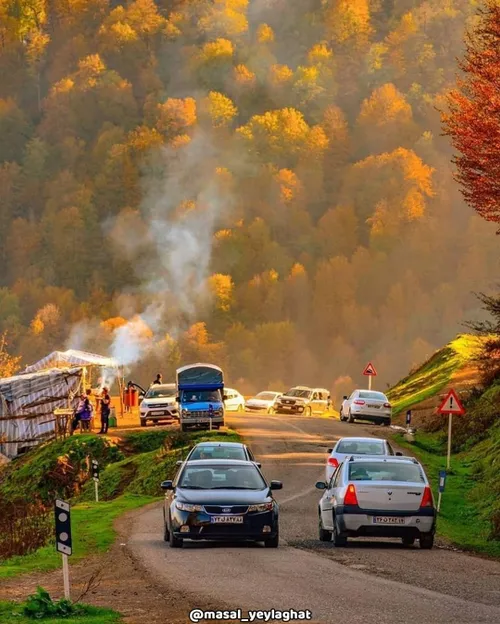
column 24, row 527
column 482, row 412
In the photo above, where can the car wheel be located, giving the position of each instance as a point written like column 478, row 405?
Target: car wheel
column 408, row 541
column 273, row 542
column 183, row 427
column 241, row 408
column 350, row 418
column 386, row 423
column 426, row 541
column 166, row 533
column 338, row 538
column 307, row 411
column 175, row 542
column 143, row 423
column 324, row 535
column 270, row 410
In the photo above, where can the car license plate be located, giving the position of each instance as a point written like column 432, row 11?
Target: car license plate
column 388, row 520
column 227, row 519
column 375, row 406
column 159, row 413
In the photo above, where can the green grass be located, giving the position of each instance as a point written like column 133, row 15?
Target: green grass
column 11, row 613
column 465, row 516
column 92, row 532
column 434, row 375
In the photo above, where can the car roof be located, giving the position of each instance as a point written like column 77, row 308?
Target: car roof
column 368, row 390
column 216, row 443
column 300, row 388
column 159, row 386
column 360, row 440
column 218, row 462
column 270, row 391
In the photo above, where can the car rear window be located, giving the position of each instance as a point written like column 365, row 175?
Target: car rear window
column 386, row 471
column 373, row 395
column 361, row 447
column 218, row 452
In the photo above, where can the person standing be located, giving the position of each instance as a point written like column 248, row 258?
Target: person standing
column 105, row 410
column 158, row 381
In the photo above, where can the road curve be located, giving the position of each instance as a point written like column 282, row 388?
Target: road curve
column 360, row 583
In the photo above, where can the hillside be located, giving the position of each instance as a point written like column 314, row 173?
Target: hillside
column 260, row 184
column 453, row 366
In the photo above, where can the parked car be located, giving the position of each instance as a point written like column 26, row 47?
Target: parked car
column 159, row 404
column 266, row 400
column 304, row 400
column 234, row 401
column 378, row 497
column 220, row 500
column 367, row 405
column 220, row 450
column 345, row 447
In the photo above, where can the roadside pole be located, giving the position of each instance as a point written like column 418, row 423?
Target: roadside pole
column 370, row 382
column 451, row 405
column 210, row 414
column 63, row 539
column 95, row 476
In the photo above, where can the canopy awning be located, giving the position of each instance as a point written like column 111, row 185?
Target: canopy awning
column 69, row 359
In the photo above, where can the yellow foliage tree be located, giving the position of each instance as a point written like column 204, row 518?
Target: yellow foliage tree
column 220, row 108
column 175, row 116
column 221, row 287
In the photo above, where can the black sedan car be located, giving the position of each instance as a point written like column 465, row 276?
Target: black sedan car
column 220, row 500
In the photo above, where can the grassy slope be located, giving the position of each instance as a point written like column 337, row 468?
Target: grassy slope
column 466, row 507
column 435, row 374
column 125, row 484
column 10, row 613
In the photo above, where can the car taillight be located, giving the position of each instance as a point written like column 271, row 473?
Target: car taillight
column 387, row 405
column 350, row 497
column 427, row 499
column 333, row 462
column 359, row 402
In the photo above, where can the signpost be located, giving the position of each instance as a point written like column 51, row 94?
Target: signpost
column 408, row 418
column 95, row 476
column 370, row 372
column 63, row 539
column 210, row 414
column 451, row 405
column 442, row 483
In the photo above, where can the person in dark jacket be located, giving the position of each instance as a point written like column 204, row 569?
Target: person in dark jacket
column 105, row 410
column 158, row 381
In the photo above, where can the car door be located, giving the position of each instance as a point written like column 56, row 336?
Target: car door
column 322, row 401
column 327, row 502
column 230, row 403
column 315, row 402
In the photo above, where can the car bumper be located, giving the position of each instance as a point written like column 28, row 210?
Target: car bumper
column 291, row 409
column 159, row 415
column 372, row 416
column 361, row 523
column 199, row 526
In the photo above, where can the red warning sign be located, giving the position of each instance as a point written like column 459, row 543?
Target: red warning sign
column 370, row 370
column 451, row 404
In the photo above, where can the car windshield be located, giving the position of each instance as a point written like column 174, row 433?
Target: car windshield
column 373, row 395
column 266, row 396
column 296, row 392
column 218, row 452
column 361, row 447
column 159, row 392
column 195, row 396
column 385, row 471
column 214, row 477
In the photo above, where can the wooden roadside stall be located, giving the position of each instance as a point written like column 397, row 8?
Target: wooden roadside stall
column 38, row 404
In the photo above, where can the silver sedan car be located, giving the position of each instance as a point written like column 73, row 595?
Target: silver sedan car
column 378, row 497
column 346, row 447
column 366, row 405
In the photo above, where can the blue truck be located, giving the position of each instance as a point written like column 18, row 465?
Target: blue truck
column 200, row 396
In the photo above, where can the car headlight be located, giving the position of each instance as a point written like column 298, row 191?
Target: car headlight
column 185, row 412
column 188, row 507
column 261, row 507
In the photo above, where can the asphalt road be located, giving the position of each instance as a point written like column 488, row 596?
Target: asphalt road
column 368, row 581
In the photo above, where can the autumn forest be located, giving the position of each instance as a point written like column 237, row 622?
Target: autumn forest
column 259, row 183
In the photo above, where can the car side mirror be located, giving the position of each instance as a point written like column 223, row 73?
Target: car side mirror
column 320, row 485
column 399, row 454
column 258, row 464
column 276, row 485
column 225, row 397
column 345, row 398
column 167, row 485
column 329, row 450
column 177, row 398
column 179, row 462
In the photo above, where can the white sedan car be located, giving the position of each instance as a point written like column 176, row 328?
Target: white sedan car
column 378, row 497
column 346, row 447
column 367, row 405
column 264, row 401
column 234, row 401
